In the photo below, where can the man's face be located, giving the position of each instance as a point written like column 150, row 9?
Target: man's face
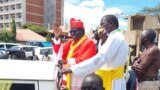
column 91, row 84
column 106, row 25
column 143, row 38
column 76, row 34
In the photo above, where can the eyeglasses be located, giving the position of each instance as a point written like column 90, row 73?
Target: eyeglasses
column 73, row 32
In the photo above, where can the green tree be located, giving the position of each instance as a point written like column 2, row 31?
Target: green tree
column 48, row 37
column 13, row 29
column 152, row 10
column 6, row 36
column 35, row 28
column 13, row 26
column 26, row 26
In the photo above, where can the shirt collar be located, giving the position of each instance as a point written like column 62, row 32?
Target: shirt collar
column 115, row 31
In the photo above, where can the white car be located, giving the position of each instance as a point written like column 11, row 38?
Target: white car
column 2, row 52
column 40, row 51
column 8, row 45
column 26, row 48
column 27, row 75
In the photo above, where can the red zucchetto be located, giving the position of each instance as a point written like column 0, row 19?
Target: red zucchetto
column 76, row 23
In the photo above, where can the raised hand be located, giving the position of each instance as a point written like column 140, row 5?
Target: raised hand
column 57, row 30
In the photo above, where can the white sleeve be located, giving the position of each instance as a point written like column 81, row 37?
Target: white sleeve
column 99, row 44
column 56, row 41
column 106, row 53
column 71, row 61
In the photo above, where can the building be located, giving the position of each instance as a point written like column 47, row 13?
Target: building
column 136, row 24
column 57, row 16
column 40, row 12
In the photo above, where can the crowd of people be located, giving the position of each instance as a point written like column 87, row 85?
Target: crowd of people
column 85, row 66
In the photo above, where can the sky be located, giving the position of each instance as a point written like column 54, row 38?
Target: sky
column 91, row 11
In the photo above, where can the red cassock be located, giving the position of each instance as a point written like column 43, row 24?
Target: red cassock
column 84, row 50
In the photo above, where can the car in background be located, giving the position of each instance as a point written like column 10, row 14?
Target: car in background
column 16, row 55
column 2, row 52
column 40, row 51
column 26, row 48
column 4, row 47
column 40, row 44
column 7, row 46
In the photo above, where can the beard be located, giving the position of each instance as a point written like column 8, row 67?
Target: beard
column 142, row 46
column 75, row 38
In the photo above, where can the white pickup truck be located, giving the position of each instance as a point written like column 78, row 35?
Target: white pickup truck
column 27, row 75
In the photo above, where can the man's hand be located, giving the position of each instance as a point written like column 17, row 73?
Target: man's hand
column 60, row 63
column 136, row 67
column 65, row 71
column 136, row 62
column 137, row 70
column 102, row 35
column 57, row 30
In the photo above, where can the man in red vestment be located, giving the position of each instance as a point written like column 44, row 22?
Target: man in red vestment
column 74, row 51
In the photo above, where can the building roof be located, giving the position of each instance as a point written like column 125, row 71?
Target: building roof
column 28, row 35
column 137, row 15
column 140, row 15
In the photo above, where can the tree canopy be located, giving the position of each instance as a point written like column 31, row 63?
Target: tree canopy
column 35, row 28
column 13, row 29
column 152, row 10
column 7, row 36
column 13, row 26
column 48, row 37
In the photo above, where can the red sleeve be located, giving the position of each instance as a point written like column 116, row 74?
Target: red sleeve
column 88, row 51
column 66, row 47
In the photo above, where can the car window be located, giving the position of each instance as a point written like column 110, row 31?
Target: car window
column 31, row 48
column 1, row 45
column 42, row 51
column 28, row 49
column 15, row 48
column 9, row 46
column 49, row 50
column 23, row 48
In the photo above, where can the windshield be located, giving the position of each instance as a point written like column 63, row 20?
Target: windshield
column 15, row 48
column 49, row 51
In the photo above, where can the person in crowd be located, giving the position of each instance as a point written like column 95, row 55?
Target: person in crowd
column 131, row 82
column 74, row 51
column 46, row 57
column 92, row 82
column 34, row 57
column 96, row 37
column 147, row 65
column 130, row 75
column 112, row 56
